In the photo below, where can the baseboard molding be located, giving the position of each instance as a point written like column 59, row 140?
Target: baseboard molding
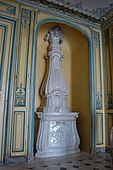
column 15, row 159
column 98, row 150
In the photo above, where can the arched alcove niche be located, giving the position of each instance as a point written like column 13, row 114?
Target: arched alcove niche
column 75, row 66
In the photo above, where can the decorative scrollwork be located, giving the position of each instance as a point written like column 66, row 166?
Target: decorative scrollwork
column 54, row 32
column 26, row 15
column 60, row 133
column 20, row 96
column 98, row 101
column 11, row 10
column 96, row 39
column 109, row 101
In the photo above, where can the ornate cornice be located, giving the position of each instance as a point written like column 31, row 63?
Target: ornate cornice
column 75, row 13
column 107, row 18
column 79, row 6
column 61, row 10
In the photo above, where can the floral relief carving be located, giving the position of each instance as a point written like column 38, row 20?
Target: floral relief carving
column 109, row 101
column 96, row 39
column 26, row 15
column 20, row 96
column 60, row 133
column 98, row 101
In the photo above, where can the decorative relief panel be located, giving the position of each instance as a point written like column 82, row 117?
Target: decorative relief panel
column 98, row 101
column 109, row 101
column 99, row 128
column 22, row 64
column 60, row 133
column 2, row 51
column 26, row 14
column 98, row 70
column 18, row 131
column 96, row 39
column 7, row 32
column 20, row 96
column 109, row 124
column 109, row 97
column 7, row 8
column 3, row 39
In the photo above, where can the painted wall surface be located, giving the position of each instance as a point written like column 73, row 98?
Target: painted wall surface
column 16, row 30
column 22, row 69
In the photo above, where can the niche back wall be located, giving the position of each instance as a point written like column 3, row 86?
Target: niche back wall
column 75, row 66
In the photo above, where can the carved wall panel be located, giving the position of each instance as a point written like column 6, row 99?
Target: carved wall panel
column 109, row 124
column 11, row 9
column 7, row 30
column 58, row 129
column 99, row 129
column 108, row 71
column 98, row 70
column 22, row 63
column 16, row 35
column 21, row 89
column 18, row 130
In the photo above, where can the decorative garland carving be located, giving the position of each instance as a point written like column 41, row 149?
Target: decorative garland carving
column 20, row 96
column 26, row 15
column 98, row 101
column 109, row 101
column 96, row 39
column 60, row 133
